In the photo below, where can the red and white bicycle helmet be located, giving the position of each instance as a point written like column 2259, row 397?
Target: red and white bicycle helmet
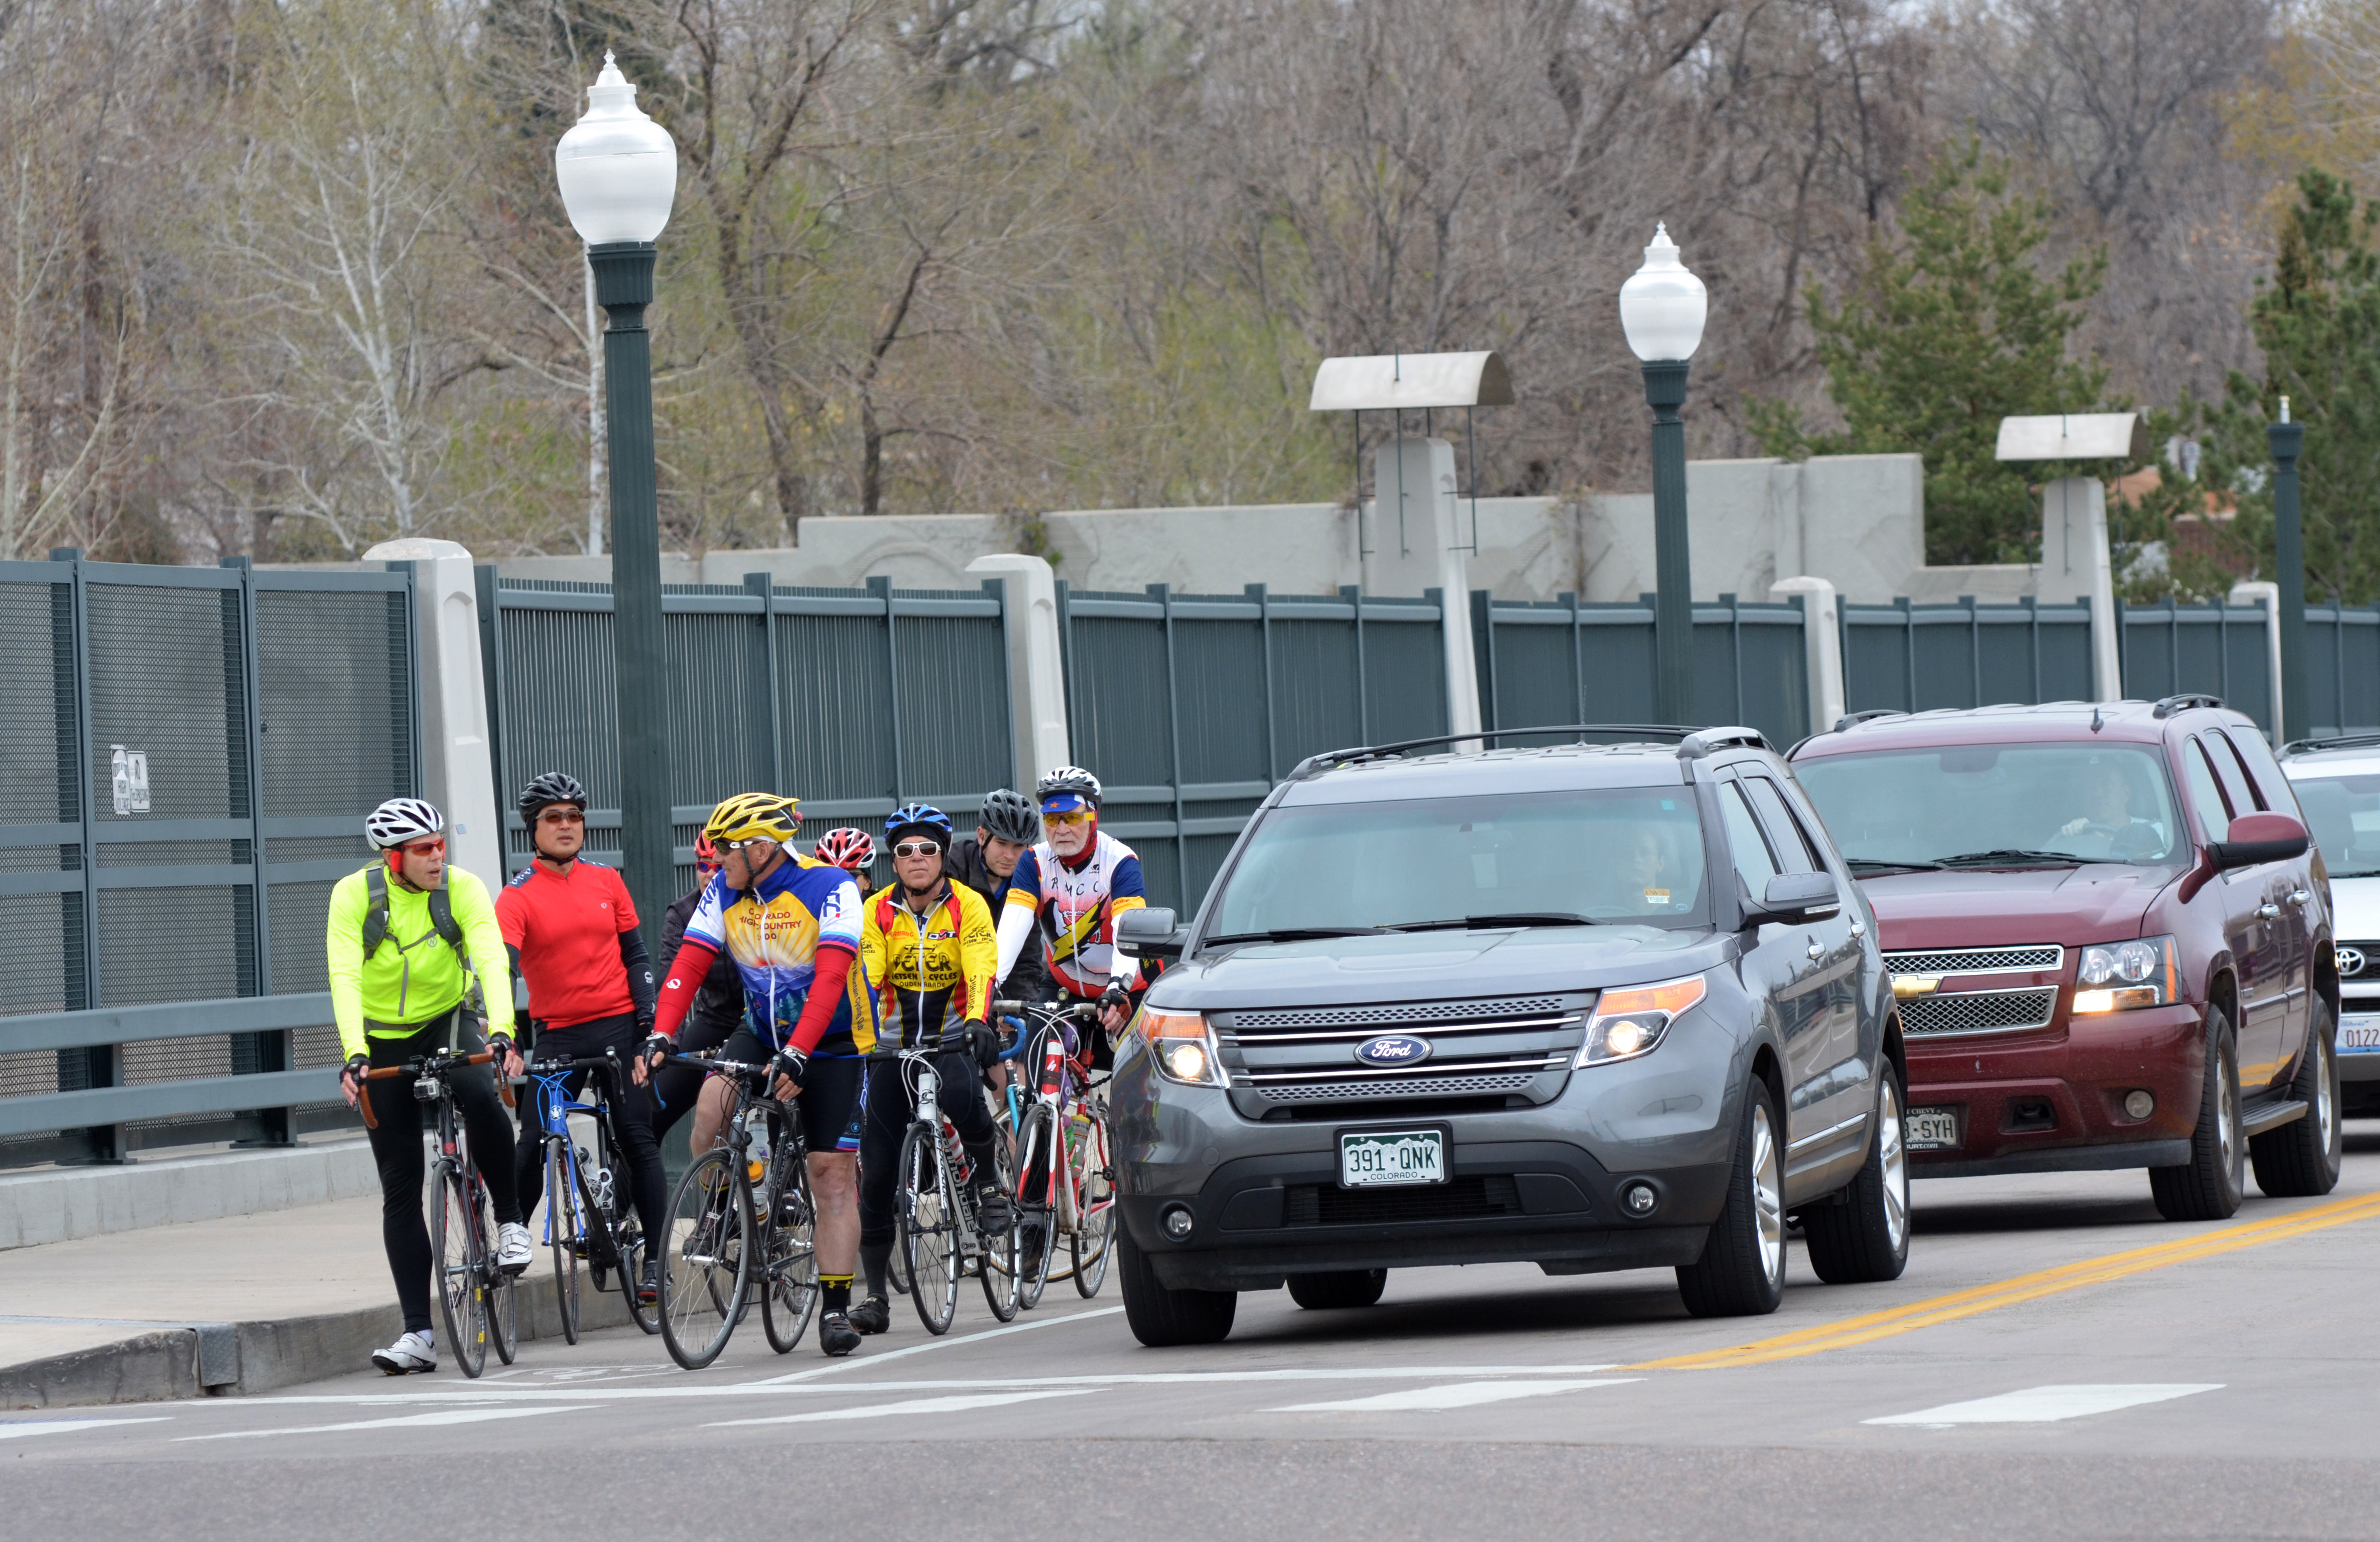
column 706, row 854
column 849, row 849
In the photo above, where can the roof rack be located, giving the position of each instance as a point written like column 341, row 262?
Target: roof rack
column 2182, row 702
column 1625, row 730
column 2335, row 741
column 1853, row 720
column 1694, row 747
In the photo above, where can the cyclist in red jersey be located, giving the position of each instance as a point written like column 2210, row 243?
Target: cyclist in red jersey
column 572, row 931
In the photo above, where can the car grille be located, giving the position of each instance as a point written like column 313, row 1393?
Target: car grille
column 1458, row 1199
column 1975, row 961
column 1978, row 1011
column 1512, row 1047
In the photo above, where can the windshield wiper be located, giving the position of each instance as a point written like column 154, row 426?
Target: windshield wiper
column 1891, row 864
column 2003, row 856
column 1290, row 934
column 1507, row 918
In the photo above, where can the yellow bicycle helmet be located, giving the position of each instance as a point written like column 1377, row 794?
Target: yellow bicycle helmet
column 754, row 815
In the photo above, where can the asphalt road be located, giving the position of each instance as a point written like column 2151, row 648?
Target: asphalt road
column 2057, row 1362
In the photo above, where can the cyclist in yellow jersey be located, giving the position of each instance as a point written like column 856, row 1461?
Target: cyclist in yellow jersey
column 406, row 937
column 928, row 946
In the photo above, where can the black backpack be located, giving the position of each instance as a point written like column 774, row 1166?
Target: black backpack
column 442, row 917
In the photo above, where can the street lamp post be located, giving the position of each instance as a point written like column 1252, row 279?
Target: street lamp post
column 618, row 173
column 1662, row 309
column 2288, row 556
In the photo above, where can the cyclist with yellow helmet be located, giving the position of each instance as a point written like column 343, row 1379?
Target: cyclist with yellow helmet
column 792, row 926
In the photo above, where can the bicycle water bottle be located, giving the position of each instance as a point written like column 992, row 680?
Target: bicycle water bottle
column 756, row 1155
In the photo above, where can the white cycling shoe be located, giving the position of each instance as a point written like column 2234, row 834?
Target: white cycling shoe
column 514, row 1250
column 412, row 1353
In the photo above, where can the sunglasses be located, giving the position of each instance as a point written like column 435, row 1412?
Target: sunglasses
column 739, row 846
column 1072, row 815
column 562, row 816
column 918, row 848
column 425, row 848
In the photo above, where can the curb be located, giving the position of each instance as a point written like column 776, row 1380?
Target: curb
column 60, row 1205
column 190, row 1360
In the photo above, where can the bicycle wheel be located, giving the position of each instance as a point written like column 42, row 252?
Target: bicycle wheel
column 616, row 1230
column 925, row 1212
column 1001, row 1255
column 1094, row 1230
column 789, row 1287
column 1037, row 1217
column 562, row 1232
column 705, row 1259
column 504, row 1290
column 458, row 1255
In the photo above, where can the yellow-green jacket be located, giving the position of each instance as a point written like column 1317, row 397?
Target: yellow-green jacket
column 415, row 975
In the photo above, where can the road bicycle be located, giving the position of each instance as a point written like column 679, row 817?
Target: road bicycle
column 474, row 1298
column 933, row 1209
column 742, row 1224
column 1064, row 1179
column 588, row 1216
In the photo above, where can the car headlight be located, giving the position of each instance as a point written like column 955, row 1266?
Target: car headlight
column 1631, row 1021
column 2116, row 977
column 1183, row 1046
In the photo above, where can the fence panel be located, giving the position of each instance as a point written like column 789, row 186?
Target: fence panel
column 190, row 756
column 1562, row 661
column 2342, row 672
column 1190, row 707
column 854, row 700
column 1916, row 658
column 2221, row 650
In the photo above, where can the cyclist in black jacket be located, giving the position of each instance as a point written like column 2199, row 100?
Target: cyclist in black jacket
column 1007, row 825
column 718, row 1007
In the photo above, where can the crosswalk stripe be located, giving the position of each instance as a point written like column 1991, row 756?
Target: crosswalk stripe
column 1459, row 1394
column 912, row 1405
column 2048, row 1405
column 407, row 1421
column 17, row 1429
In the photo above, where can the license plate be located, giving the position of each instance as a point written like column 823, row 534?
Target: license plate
column 2359, row 1033
column 1377, row 1160
column 1930, row 1129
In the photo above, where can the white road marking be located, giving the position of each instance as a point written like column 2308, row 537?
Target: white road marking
column 407, row 1421
column 1459, row 1394
column 845, row 1364
column 2048, row 1405
column 913, row 1405
column 17, row 1428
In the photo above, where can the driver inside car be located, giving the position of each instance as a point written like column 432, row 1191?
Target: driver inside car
column 2106, row 826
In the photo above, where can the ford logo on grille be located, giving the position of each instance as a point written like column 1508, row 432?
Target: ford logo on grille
column 1394, row 1048
column 2350, row 963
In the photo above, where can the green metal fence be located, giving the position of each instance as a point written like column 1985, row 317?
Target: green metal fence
column 1189, row 707
column 2342, row 672
column 854, row 700
column 2220, row 650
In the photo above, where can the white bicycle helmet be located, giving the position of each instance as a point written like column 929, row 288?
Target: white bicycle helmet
column 1066, row 780
column 401, row 819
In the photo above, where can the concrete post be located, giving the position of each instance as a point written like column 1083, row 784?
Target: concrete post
column 1822, row 646
column 1037, row 666
column 1419, row 530
column 2269, row 594
column 458, row 773
column 2075, row 565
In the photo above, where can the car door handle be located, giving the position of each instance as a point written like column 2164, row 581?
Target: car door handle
column 1859, row 929
column 1817, row 950
column 2301, row 897
column 2268, row 910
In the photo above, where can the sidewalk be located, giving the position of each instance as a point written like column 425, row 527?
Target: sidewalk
column 243, row 1304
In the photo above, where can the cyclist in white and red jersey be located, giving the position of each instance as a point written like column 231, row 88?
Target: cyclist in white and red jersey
column 1067, row 892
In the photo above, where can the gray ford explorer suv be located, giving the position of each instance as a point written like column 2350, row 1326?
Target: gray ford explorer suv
column 1592, row 1006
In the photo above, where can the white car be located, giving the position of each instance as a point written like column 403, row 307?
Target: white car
column 2338, row 784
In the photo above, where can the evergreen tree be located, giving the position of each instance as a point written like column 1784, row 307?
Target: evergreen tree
column 1948, row 332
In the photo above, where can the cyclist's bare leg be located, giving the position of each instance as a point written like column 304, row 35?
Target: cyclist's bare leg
column 834, row 1186
column 711, row 1113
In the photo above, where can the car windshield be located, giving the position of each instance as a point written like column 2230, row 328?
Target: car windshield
column 1997, row 804
column 2343, row 815
column 1626, row 855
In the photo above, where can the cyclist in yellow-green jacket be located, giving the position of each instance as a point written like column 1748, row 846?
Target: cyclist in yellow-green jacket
column 415, row 958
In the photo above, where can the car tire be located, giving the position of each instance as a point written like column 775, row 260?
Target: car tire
column 1864, row 1237
column 1161, row 1318
column 1741, row 1272
column 2209, row 1185
column 2302, row 1158
column 1338, row 1288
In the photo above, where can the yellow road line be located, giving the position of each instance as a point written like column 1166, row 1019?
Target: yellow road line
column 1856, row 1330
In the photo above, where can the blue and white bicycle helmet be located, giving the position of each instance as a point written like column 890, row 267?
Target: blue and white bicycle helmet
column 918, row 816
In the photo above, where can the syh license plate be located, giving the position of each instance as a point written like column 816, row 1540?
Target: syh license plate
column 2359, row 1033
column 1376, row 1159
column 1930, row 1129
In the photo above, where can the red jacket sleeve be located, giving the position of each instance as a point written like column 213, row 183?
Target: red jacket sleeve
column 685, row 976
column 832, row 966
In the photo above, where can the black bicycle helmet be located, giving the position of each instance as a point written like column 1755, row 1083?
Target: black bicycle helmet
column 1009, row 815
column 550, row 788
column 1069, row 778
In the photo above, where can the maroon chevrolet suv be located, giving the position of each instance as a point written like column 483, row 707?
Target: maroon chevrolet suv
column 2110, row 941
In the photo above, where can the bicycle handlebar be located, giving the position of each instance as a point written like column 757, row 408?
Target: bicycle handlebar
column 1081, row 1009
column 582, row 1063
column 437, row 1066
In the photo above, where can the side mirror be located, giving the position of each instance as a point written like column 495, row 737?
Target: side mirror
column 2257, row 838
column 1148, row 932
column 1793, row 898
